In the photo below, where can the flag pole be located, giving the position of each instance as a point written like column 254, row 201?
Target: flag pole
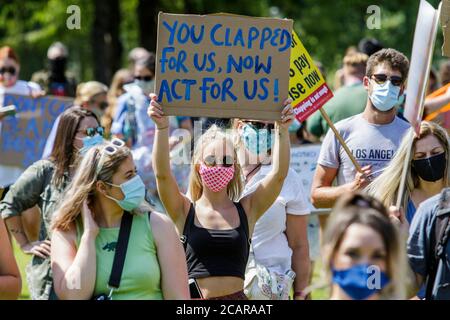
column 421, row 102
column 341, row 140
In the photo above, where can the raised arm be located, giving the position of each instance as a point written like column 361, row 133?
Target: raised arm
column 268, row 190
column 10, row 281
column 74, row 269
column 173, row 200
column 171, row 257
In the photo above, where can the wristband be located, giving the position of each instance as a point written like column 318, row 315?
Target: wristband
column 162, row 128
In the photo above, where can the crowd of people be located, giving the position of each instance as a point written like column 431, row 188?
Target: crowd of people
column 107, row 213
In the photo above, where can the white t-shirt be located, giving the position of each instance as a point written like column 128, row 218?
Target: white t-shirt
column 9, row 174
column 269, row 241
column 370, row 143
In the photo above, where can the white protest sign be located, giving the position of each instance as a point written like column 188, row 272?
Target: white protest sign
column 304, row 162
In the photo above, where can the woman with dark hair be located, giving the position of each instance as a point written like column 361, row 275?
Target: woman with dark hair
column 42, row 184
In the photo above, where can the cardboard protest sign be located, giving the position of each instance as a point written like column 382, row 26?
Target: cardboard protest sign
column 23, row 137
column 222, row 65
column 445, row 23
column 304, row 162
column 422, row 54
column 307, row 87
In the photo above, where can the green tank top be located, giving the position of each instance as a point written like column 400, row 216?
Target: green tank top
column 141, row 276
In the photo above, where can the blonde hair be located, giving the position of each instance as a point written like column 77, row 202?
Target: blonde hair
column 115, row 91
column 385, row 186
column 213, row 134
column 355, row 63
column 83, row 186
column 87, row 90
column 359, row 208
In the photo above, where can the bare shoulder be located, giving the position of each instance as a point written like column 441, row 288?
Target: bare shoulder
column 161, row 223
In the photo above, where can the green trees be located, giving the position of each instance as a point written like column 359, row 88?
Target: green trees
column 110, row 28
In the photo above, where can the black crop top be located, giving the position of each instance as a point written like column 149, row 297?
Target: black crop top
column 212, row 253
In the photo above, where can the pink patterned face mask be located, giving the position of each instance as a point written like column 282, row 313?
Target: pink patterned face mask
column 216, row 178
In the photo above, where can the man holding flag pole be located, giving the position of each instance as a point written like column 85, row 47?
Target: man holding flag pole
column 372, row 136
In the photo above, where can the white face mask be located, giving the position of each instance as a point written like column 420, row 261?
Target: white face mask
column 384, row 96
column 146, row 86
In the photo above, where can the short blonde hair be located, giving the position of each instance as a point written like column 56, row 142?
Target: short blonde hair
column 213, row 134
column 87, row 90
column 355, row 63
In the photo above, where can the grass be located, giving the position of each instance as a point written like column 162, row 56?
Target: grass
column 23, row 259
column 321, row 293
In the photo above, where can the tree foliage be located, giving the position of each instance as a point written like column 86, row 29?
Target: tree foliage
column 326, row 27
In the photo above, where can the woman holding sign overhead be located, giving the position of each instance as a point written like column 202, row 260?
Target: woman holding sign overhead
column 215, row 225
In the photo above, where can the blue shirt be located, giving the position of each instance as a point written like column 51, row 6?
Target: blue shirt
column 410, row 211
column 144, row 127
column 419, row 247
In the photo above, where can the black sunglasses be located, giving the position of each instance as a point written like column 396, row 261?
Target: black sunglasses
column 261, row 125
column 382, row 78
column 10, row 70
column 145, row 78
column 92, row 131
column 211, row 161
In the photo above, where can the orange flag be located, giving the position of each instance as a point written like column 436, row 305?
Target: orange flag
column 443, row 109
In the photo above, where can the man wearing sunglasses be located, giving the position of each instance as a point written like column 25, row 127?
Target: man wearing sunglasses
column 373, row 136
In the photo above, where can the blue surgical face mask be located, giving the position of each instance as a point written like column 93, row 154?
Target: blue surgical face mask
column 134, row 191
column 360, row 281
column 89, row 142
column 384, row 96
column 257, row 141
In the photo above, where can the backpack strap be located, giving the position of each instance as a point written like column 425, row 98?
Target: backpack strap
column 121, row 250
column 439, row 237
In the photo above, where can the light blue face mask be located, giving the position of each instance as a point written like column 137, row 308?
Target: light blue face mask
column 385, row 96
column 146, row 86
column 295, row 126
column 89, row 142
column 134, row 191
column 257, row 141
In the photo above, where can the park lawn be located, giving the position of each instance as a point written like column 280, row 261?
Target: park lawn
column 23, row 259
column 319, row 293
